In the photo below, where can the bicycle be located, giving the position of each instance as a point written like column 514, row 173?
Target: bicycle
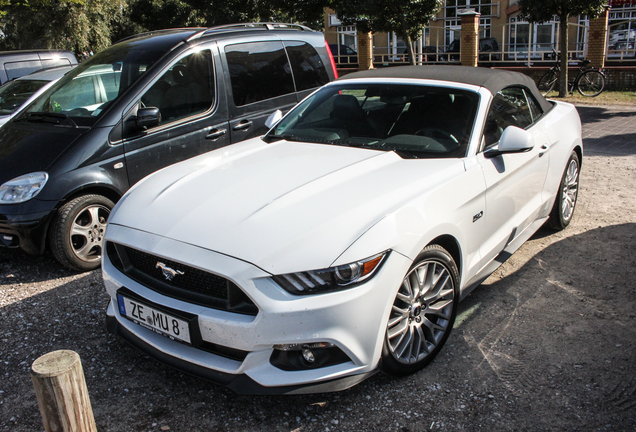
column 589, row 81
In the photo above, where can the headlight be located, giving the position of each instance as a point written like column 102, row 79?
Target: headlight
column 332, row 278
column 22, row 188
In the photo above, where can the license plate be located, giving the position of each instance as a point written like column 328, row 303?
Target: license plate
column 154, row 319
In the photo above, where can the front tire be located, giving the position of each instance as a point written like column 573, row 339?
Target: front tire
column 565, row 202
column 77, row 232
column 423, row 313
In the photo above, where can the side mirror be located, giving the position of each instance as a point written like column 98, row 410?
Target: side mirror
column 148, row 117
column 273, row 119
column 513, row 140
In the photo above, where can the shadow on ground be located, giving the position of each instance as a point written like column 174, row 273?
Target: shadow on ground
column 549, row 345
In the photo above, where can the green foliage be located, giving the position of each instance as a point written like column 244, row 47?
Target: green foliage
column 401, row 16
column 77, row 25
column 544, row 10
column 162, row 14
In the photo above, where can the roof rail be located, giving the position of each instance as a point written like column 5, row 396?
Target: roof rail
column 156, row 32
column 251, row 25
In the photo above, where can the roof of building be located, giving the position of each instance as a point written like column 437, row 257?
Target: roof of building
column 493, row 80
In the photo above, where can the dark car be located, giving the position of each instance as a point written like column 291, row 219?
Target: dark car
column 14, row 64
column 343, row 54
column 145, row 103
column 488, row 50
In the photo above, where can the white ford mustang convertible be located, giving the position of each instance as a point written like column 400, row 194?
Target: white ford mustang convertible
column 340, row 243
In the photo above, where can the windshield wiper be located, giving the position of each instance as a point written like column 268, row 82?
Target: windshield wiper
column 47, row 117
column 286, row 137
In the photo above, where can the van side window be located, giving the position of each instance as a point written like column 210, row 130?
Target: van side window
column 509, row 107
column 55, row 62
column 184, row 90
column 21, row 68
column 258, row 71
column 309, row 70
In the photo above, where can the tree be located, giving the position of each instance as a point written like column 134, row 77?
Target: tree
column 162, row 14
column 545, row 10
column 219, row 12
column 405, row 17
column 77, row 25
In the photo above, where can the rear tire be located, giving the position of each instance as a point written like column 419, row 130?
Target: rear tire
column 547, row 82
column 77, row 231
column 565, row 202
column 591, row 83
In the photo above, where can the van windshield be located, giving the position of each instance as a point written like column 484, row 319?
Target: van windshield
column 84, row 93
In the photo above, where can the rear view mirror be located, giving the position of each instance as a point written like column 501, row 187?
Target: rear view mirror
column 273, row 119
column 513, row 140
column 148, row 117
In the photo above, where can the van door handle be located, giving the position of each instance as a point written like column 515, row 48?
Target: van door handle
column 242, row 125
column 544, row 148
column 216, row 134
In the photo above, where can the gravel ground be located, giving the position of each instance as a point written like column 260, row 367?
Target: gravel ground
column 546, row 343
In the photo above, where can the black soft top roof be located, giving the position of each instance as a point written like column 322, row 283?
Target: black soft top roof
column 493, row 80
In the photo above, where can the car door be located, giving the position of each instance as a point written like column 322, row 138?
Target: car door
column 192, row 104
column 261, row 82
column 514, row 181
column 266, row 76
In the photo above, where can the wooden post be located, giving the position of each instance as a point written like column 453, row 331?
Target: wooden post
column 61, row 391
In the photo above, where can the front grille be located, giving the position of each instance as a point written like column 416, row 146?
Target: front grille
column 180, row 281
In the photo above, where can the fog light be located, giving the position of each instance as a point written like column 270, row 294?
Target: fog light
column 303, row 346
column 308, row 355
column 304, row 356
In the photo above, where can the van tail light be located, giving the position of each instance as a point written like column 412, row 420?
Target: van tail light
column 333, row 62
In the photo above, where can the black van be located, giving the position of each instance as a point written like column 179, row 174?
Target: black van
column 14, row 64
column 145, row 103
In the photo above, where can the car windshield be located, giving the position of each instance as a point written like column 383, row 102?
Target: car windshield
column 82, row 95
column 15, row 93
column 415, row 121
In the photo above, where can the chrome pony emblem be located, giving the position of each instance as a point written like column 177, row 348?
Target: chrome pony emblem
column 168, row 273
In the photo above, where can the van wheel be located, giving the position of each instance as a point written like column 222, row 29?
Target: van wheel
column 77, row 232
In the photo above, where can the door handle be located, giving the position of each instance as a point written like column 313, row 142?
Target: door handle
column 242, row 125
column 216, row 134
column 544, row 148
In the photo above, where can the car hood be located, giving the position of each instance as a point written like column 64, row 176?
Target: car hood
column 27, row 147
column 280, row 206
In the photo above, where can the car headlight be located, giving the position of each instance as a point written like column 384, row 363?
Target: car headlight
column 23, row 188
column 332, row 278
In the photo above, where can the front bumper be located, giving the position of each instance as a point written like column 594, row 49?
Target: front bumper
column 353, row 320
column 24, row 225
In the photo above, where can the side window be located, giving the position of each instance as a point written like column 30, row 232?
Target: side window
column 79, row 94
column 62, row 61
column 535, row 109
column 309, row 70
column 184, row 90
column 21, row 68
column 258, row 71
column 508, row 108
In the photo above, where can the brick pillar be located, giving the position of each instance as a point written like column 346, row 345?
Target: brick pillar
column 469, row 47
column 365, row 51
column 597, row 39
